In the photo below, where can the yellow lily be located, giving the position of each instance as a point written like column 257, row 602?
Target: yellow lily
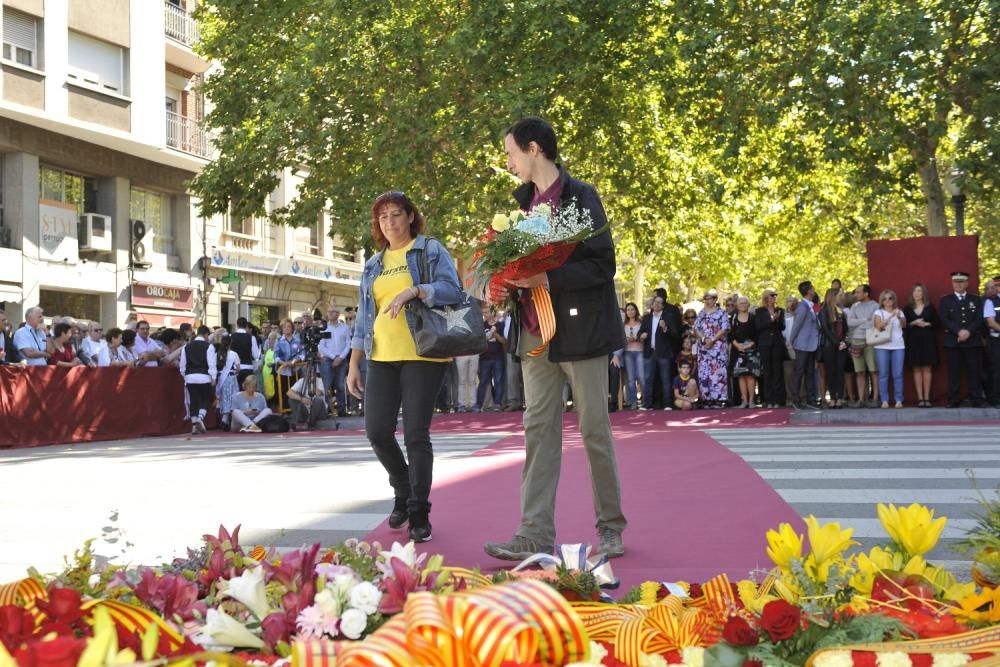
column 102, row 648
column 829, row 541
column 751, row 597
column 784, row 546
column 913, row 528
column 868, row 565
column 6, row 659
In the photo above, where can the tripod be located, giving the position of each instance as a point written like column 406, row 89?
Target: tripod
column 309, row 374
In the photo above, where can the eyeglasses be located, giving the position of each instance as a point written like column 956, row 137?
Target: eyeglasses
column 298, row 321
column 98, row 330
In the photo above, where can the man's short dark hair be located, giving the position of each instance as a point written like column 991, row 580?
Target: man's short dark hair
column 804, row 287
column 866, row 288
column 204, row 330
column 185, row 326
column 168, row 336
column 535, row 129
column 60, row 329
column 241, row 322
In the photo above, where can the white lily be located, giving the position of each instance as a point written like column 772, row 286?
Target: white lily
column 328, row 602
column 407, row 554
column 248, row 588
column 226, row 630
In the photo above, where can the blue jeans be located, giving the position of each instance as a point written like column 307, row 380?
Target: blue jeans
column 334, row 380
column 656, row 366
column 890, row 361
column 491, row 371
column 635, row 371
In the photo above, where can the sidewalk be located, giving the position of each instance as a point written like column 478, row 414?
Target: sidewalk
column 895, row 416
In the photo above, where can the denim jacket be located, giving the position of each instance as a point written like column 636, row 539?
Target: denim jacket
column 444, row 288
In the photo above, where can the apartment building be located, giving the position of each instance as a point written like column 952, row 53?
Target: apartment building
column 100, row 131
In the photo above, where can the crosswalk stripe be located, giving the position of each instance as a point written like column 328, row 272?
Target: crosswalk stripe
column 822, row 456
column 874, row 496
column 986, row 476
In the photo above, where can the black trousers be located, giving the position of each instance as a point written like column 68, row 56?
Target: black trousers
column 834, row 360
column 993, row 350
column 805, row 367
column 199, row 398
column 414, row 385
column 971, row 358
column 772, row 375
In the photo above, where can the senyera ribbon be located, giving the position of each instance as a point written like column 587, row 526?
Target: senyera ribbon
column 546, row 318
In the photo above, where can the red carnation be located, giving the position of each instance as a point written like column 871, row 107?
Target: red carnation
column 864, row 658
column 922, row 659
column 739, row 633
column 63, row 605
column 780, row 619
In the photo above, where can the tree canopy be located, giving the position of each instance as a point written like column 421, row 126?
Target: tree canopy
column 735, row 144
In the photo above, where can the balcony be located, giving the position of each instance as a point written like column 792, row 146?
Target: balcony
column 187, row 135
column 179, row 25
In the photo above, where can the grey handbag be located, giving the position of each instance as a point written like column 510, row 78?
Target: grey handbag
column 446, row 331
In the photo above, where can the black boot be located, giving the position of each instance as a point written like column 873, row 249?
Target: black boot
column 399, row 515
column 420, row 527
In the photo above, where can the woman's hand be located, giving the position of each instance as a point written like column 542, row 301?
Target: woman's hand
column 354, row 381
column 401, row 300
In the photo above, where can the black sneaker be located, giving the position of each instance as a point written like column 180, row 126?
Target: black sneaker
column 518, row 548
column 611, row 542
column 399, row 515
column 420, row 528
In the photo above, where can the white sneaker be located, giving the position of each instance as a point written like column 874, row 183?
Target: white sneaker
column 200, row 425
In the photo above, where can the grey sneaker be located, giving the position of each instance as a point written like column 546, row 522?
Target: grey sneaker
column 518, row 548
column 611, row 542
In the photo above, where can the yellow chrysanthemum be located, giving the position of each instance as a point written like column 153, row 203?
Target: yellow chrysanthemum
column 648, row 592
column 784, row 546
column 827, row 542
column 913, row 528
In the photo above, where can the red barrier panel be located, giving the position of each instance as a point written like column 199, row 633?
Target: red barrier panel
column 897, row 264
column 49, row 405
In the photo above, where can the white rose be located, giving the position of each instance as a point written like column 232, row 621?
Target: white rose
column 353, row 623
column 693, row 656
column 893, row 659
column 328, row 603
column 365, row 597
column 950, row 659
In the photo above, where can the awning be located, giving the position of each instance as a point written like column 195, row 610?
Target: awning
column 10, row 295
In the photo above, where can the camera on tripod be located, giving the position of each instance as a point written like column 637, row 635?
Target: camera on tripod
column 311, row 336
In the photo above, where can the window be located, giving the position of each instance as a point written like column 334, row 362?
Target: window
column 307, row 239
column 20, row 38
column 151, row 208
column 68, row 188
column 243, row 226
column 97, row 64
column 76, row 304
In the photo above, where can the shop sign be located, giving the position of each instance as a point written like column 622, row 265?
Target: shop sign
column 303, row 269
column 57, row 232
column 162, row 296
column 229, row 259
column 160, row 320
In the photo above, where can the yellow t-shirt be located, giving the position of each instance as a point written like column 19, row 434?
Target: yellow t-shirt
column 392, row 339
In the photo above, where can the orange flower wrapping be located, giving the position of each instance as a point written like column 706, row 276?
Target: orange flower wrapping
column 546, row 258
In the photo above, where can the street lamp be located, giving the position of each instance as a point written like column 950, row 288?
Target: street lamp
column 953, row 184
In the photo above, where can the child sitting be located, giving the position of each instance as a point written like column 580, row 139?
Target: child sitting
column 685, row 388
column 688, row 355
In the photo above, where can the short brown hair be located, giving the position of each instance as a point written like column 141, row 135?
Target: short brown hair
column 401, row 200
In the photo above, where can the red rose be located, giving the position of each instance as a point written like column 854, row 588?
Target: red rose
column 58, row 652
column 752, row 662
column 16, row 626
column 739, row 633
column 63, row 605
column 780, row 620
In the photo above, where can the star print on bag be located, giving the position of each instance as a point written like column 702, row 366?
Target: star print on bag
column 455, row 317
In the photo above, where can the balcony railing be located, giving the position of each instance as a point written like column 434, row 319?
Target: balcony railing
column 179, row 25
column 187, row 135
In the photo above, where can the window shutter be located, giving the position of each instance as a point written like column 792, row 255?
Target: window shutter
column 95, row 62
column 19, row 29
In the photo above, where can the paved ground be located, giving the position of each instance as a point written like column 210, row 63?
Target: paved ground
column 146, row 500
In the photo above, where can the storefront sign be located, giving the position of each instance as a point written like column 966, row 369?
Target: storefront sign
column 57, row 229
column 304, row 269
column 160, row 320
column 230, row 259
column 162, row 296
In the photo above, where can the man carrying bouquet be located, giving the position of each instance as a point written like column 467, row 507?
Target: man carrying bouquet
column 587, row 329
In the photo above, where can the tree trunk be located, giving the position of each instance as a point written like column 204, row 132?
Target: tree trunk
column 640, row 279
column 930, row 185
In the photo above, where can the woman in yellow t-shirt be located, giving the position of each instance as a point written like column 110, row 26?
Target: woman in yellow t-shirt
column 396, row 375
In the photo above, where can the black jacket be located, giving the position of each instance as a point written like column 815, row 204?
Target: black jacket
column 956, row 316
column 828, row 330
column 588, row 322
column 769, row 332
column 666, row 341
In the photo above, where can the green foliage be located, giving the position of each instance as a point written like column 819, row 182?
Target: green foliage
column 736, row 145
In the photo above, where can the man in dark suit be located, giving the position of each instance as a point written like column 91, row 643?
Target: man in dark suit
column 657, row 332
column 962, row 319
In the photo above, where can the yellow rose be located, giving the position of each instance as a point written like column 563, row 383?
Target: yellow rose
column 500, row 223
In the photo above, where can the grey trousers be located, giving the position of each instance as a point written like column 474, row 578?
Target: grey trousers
column 543, row 416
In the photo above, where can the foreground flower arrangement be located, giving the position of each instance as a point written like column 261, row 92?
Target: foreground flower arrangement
column 824, row 606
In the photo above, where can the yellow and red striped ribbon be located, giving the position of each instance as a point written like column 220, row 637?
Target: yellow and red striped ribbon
column 546, row 318
column 22, row 593
column 524, row 621
column 133, row 618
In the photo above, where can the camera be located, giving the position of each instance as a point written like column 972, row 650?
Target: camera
column 311, row 336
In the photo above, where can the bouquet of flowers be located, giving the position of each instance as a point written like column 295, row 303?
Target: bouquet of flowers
column 520, row 244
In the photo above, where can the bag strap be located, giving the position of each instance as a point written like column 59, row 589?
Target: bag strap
column 425, row 271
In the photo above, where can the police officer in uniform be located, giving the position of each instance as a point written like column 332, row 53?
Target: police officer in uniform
column 991, row 332
column 962, row 319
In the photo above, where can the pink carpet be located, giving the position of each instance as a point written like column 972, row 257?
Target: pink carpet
column 694, row 508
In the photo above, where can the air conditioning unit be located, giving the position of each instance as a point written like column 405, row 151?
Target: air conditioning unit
column 95, row 232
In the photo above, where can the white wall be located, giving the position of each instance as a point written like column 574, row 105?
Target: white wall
column 148, row 72
column 56, row 56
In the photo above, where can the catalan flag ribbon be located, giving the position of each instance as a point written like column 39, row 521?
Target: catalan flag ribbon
column 546, row 318
column 523, row 621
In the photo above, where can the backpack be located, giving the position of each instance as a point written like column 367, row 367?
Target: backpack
column 273, row 424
